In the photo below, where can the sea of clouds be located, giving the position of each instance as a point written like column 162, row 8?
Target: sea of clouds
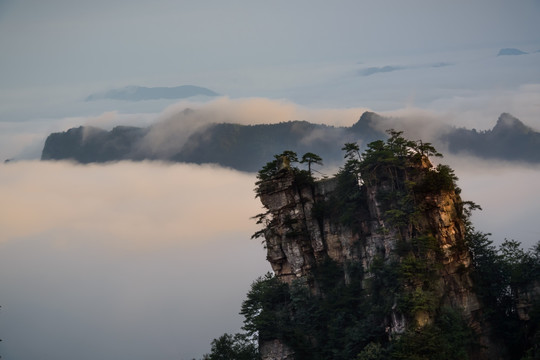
column 152, row 260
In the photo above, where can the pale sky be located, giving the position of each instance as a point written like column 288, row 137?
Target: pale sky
column 148, row 260
column 65, row 42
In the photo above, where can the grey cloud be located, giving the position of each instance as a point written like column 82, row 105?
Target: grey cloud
column 80, row 51
column 507, row 193
column 149, row 260
column 390, row 68
column 384, row 69
column 140, row 93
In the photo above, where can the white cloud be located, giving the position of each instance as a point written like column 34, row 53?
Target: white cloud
column 158, row 256
column 175, row 124
column 148, row 260
column 507, row 193
column 131, row 202
column 123, row 261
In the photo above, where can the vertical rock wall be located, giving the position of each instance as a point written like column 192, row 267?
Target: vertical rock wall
column 298, row 238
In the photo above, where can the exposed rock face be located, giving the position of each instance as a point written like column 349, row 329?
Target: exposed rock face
column 275, row 350
column 299, row 236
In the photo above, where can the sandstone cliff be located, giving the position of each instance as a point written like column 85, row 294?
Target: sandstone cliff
column 407, row 217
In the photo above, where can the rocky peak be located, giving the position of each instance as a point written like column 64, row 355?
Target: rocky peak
column 366, row 125
column 509, row 123
column 303, row 231
column 300, row 235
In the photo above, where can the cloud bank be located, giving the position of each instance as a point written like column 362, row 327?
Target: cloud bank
column 151, row 260
column 507, row 193
column 174, row 126
column 130, row 261
column 123, row 261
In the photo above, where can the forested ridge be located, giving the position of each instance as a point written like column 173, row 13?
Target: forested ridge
column 248, row 147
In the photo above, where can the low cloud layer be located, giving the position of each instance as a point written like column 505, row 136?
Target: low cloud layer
column 507, row 193
column 123, row 261
column 152, row 260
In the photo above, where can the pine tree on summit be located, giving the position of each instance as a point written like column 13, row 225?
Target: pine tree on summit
column 311, row 158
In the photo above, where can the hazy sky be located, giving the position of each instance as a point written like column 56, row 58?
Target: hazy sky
column 160, row 42
column 149, row 260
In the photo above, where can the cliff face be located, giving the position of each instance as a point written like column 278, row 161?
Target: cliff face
column 302, row 234
column 89, row 144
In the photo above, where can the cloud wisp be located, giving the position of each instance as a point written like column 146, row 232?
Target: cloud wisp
column 390, row 68
column 178, row 122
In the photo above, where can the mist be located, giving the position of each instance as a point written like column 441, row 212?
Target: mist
column 507, row 193
column 123, row 261
column 151, row 260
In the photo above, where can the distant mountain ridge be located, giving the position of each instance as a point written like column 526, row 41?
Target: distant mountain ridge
column 510, row 139
column 242, row 147
column 139, row 93
column 249, row 147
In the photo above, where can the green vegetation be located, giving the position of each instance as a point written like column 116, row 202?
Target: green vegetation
column 506, row 278
column 265, row 309
column 346, row 311
column 311, row 159
column 233, row 347
column 335, row 326
column 448, row 338
column 286, row 160
column 347, row 323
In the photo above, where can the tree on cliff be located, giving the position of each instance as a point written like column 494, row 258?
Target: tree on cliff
column 287, row 160
column 507, row 280
column 311, row 158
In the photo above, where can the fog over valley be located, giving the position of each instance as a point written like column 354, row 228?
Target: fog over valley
column 152, row 259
